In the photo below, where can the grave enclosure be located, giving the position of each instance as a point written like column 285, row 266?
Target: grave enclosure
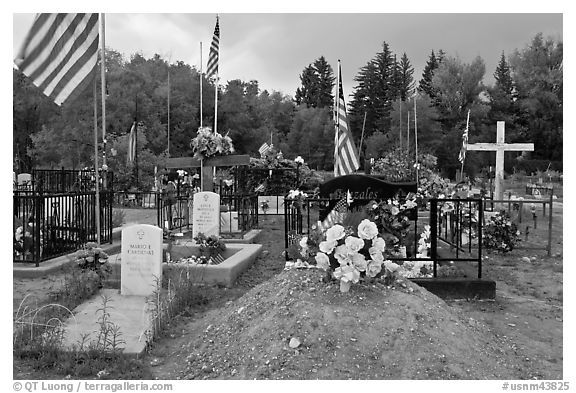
column 452, row 239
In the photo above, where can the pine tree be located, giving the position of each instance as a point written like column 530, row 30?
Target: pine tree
column 406, row 80
column 425, row 84
column 326, row 80
column 317, row 84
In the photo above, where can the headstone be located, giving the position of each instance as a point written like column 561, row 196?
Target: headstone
column 206, row 214
column 24, row 179
column 141, row 252
column 500, row 147
column 362, row 189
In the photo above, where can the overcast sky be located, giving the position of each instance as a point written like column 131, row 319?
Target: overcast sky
column 274, row 48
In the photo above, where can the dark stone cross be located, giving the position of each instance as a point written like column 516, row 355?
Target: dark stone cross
column 207, row 166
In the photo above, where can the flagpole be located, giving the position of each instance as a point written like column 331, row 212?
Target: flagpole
column 408, row 136
column 200, row 84
column 96, row 177
column 168, row 126
column 336, row 111
column 103, row 81
column 362, row 135
column 416, row 138
column 464, row 157
column 400, row 126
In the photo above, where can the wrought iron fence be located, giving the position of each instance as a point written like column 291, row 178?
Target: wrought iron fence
column 68, row 180
column 455, row 232
column 50, row 225
column 137, row 199
column 239, row 213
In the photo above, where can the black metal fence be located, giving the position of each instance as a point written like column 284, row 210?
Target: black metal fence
column 66, row 180
column 455, row 229
column 238, row 213
column 137, row 199
column 50, row 225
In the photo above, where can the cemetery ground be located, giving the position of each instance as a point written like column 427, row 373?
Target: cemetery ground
column 276, row 324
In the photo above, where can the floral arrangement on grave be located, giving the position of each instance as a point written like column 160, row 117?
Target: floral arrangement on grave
column 93, row 258
column 500, row 233
column 210, row 247
column 23, row 241
column 392, row 218
column 208, row 144
column 264, row 205
column 296, row 198
column 347, row 254
column 397, row 166
column 274, row 181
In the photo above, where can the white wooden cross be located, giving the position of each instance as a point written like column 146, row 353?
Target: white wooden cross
column 500, row 147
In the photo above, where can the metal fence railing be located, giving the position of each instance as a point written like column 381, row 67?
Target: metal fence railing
column 50, row 225
column 455, row 229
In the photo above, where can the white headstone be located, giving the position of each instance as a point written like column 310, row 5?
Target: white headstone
column 206, row 214
column 141, row 260
column 24, row 179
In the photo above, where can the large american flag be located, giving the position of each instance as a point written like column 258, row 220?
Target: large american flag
column 346, row 159
column 212, row 68
column 60, row 54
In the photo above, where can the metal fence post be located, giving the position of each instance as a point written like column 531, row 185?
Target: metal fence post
column 434, row 234
column 550, row 226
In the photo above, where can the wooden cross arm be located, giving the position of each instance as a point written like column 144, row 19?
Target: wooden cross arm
column 191, row 162
column 501, row 146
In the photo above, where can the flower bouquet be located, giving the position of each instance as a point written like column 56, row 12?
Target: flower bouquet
column 209, row 144
column 91, row 257
column 348, row 254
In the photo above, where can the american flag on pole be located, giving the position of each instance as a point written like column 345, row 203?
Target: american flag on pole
column 346, row 159
column 60, row 54
column 212, row 67
column 464, row 148
column 264, row 148
column 132, row 143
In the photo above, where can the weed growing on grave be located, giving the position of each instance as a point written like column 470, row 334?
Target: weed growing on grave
column 118, row 217
column 38, row 338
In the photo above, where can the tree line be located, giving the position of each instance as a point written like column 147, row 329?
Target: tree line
column 527, row 95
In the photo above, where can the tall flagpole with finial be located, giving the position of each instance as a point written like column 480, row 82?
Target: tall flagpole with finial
column 201, row 84
column 212, row 68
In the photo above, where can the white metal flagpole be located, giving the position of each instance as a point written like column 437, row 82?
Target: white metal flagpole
column 201, row 77
column 168, row 126
column 416, row 139
column 336, row 111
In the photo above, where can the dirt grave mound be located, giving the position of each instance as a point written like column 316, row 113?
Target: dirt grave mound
column 294, row 326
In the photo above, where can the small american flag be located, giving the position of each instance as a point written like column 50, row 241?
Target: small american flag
column 264, row 148
column 212, row 68
column 335, row 216
column 260, row 188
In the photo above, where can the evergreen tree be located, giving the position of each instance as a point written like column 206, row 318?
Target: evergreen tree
column 317, row 84
column 425, row 84
column 406, row 79
column 374, row 94
column 326, row 80
column 502, row 98
column 306, row 94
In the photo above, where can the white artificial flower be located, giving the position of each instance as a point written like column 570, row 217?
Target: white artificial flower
column 354, row 243
column 343, row 254
column 322, row 261
column 367, row 230
column 359, row 262
column 379, row 244
column 335, row 233
column 373, row 268
column 327, row 247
